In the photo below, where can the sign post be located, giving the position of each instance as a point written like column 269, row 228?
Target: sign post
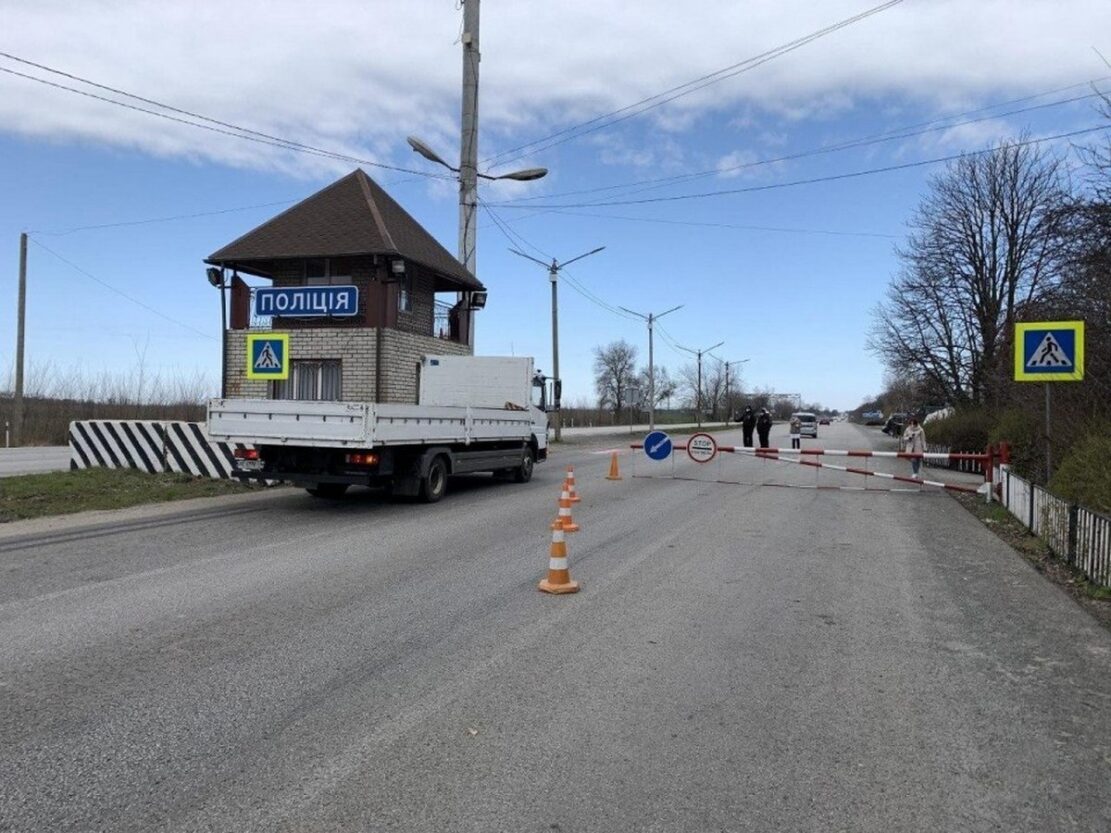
column 657, row 445
column 702, row 448
column 268, row 356
column 1049, row 351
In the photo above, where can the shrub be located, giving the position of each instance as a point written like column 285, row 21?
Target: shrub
column 961, row 431
column 1023, row 430
column 1083, row 476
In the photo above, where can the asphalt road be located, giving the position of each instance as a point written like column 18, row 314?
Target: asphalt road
column 33, row 459
column 741, row 658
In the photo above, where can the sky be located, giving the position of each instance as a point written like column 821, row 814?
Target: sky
column 755, row 228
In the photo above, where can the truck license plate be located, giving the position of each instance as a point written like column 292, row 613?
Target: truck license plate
column 250, row 465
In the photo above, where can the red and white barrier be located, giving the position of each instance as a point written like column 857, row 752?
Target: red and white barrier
column 794, row 455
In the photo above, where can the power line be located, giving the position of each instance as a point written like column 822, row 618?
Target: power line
column 516, row 239
column 659, row 99
column 213, row 125
column 740, row 227
column 119, row 292
column 814, row 180
column 894, row 134
column 151, row 220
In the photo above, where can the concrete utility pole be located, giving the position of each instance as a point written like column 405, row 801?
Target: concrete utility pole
column 650, row 318
column 728, row 398
column 553, row 275
column 698, row 396
column 468, row 155
column 21, row 320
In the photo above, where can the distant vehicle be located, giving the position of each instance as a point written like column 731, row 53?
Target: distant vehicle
column 823, row 421
column 808, row 424
column 872, row 417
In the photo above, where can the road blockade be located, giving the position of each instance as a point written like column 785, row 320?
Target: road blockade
column 564, row 519
column 615, row 472
column 559, row 571
column 569, row 480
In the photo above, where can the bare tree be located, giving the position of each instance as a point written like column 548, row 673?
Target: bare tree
column 614, row 374
column 990, row 237
column 713, row 386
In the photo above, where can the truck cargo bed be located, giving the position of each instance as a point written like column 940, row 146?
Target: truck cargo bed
column 360, row 424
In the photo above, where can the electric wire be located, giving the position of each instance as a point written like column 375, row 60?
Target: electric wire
column 213, row 125
column 151, row 220
column 894, row 134
column 659, row 99
column 516, row 239
column 120, row 292
column 818, row 179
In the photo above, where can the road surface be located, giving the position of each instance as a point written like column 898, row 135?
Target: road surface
column 741, row 658
column 33, row 459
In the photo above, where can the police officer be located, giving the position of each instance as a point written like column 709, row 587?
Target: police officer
column 748, row 423
column 764, row 427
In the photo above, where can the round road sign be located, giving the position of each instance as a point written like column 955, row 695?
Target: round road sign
column 657, row 445
column 702, row 448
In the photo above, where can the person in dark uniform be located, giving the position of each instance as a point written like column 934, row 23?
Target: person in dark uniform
column 748, row 424
column 764, row 427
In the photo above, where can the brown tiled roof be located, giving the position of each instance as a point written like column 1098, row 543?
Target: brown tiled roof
column 352, row 216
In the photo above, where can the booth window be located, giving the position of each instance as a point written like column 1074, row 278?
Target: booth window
column 310, row 380
column 327, row 271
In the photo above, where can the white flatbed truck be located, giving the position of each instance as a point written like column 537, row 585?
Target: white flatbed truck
column 474, row 414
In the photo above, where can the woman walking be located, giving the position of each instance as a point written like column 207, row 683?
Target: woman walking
column 914, row 441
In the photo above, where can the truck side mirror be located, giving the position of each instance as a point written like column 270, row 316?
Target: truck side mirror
column 557, row 393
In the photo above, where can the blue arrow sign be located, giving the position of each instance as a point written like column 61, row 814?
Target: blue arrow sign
column 657, row 445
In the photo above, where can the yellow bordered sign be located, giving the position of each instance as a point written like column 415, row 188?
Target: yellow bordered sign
column 268, row 355
column 1049, row 351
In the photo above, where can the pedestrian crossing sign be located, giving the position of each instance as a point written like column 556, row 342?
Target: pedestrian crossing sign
column 268, row 355
column 1049, row 351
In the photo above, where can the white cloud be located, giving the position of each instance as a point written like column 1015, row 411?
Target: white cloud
column 357, row 76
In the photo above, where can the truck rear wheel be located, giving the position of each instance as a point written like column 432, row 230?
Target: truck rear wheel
column 523, row 472
column 434, row 484
column 327, row 490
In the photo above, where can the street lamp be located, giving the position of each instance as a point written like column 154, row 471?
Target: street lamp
column 728, row 398
column 700, row 354
column 553, row 276
column 651, row 318
column 468, row 198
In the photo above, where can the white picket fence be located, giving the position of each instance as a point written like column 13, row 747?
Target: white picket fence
column 1078, row 535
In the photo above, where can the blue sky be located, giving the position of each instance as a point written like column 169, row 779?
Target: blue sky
column 794, row 301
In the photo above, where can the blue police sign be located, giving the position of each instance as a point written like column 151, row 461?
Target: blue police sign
column 657, row 445
column 307, row 301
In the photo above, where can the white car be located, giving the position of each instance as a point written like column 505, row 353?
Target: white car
column 808, row 424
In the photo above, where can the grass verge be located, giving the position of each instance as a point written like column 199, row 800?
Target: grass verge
column 61, row 493
column 1092, row 597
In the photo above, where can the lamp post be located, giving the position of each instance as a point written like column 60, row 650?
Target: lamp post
column 468, row 185
column 553, row 275
column 650, row 318
column 698, row 396
column 728, row 398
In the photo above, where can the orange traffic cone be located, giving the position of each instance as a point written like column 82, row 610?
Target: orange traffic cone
column 559, row 575
column 614, row 473
column 569, row 480
column 564, row 519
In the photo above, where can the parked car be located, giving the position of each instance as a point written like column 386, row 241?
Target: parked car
column 808, row 424
column 872, row 417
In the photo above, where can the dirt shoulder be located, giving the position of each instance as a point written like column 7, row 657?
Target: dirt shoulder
column 1093, row 598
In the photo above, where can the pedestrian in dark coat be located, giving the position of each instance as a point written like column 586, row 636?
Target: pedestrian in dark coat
column 764, row 427
column 748, row 425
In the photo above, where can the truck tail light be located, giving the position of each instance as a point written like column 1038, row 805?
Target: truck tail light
column 246, row 453
column 362, row 459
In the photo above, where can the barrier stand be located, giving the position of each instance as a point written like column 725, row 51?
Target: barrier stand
column 559, row 572
column 564, row 519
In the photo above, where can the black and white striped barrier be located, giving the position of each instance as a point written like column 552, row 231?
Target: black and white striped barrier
column 150, row 446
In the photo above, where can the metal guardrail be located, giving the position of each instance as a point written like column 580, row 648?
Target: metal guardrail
column 1074, row 533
